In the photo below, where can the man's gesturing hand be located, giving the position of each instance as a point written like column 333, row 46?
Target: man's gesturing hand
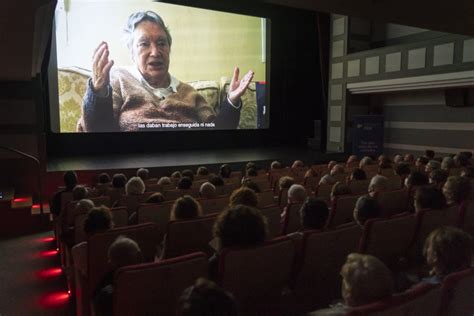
column 238, row 87
column 101, row 67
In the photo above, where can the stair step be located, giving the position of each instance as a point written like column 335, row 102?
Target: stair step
column 22, row 202
column 35, row 209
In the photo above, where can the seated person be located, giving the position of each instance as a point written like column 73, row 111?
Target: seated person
column 447, row 250
column 275, row 165
column 155, row 198
column 244, row 196
column 175, row 176
column 461, row 160
column 327, row 179
column 225, row 171
column 98, row 220
column 103, row 178
column 428, row 197
column 79, row 192
column 207, row 190
column 206, row 298
column 438, row 177
column 238, row 226
column 202, row 171
column 447, row 163
column 164, row 181
column 119, row 98
column 119, row 180
column 340, row 188
column 397, row 159
column 430, row 154
column 122, row 252
column 103, row 183
column 285, row 182
column 416, row 179
column 468, row 172
column 143, row 173
column 297, row 164
column 188, row 173
column 67, row 222
column 409, row 158
column 185, row 207
column 251, row 172
column 420, row 163
column 365, row 208
column 456, row 190
column 365, row 161
column 402, row 169
column 314, row 214
column 216, row 180
column 432, row 165
column 311, row 172
column 250, row 164
column 248, row 183
column 377, row 184
column 352, row 161
column 185, row 183
column 296, row 194
column 331, row 165
column 135, row 186
column 358, row 174
column 365, row 280
column 70, row 181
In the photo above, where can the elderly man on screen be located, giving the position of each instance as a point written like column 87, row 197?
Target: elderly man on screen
column 126, row 99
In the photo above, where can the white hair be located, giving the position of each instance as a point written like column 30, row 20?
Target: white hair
column 297, row 193
column 378, row 183
column 135, row 186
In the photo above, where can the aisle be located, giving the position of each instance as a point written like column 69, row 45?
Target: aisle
column 31, row 280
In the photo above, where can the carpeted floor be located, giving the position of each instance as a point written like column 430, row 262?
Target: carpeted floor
column 31, row 281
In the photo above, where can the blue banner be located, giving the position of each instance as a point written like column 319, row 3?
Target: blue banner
column 367, row 137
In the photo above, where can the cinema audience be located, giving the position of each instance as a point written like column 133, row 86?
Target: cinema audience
column 143, row 174
column 207, row 190
column 285, row 182
column 314, row 214
column 340, row 188
column 205, row 298
column 409, row 158
column 365, row 279
column 416, row 179
column 244, row 196
column 103, row 183
column 185, row 207
column 155, row 198
column 185, row 183
column 456, row 189
column 296, row 194
column 164, row 181
column 225, row 170
column 119, row 180
column 447, row 163
column 276, row 165
column 377, row 184
column 365, row 161
column 216, row 180
column 352, row 161
column 358, row 174
column 188, row 173
column 432, row 165
column 297, row 164
column 249, row 183
column 428, row 197
column 70, row 181
column 365, row 208
column 121, row 253
column 135, row 186
column 202, row 171
column 438, row 177
column 79, row 192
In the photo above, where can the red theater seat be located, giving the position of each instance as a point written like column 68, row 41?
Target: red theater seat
column 177, row 193
column 342, row 210
column 359, row 186
column 272, row 213
column 154, row 288
column 265, row 198
column 187, row 236
column 317, row 281
column 119, row 216
column 392, row 202
column 214, row 205
column 423, row 299
column 458, row 293
column 291, row 220
column 388, row 239
column 256, row 276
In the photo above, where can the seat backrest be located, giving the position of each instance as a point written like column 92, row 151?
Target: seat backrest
column 154, row 187
column 423, row 299
column 146, row 235
column 265, row 198
column 119, row 216
column 324, row 191
column 155, row 213
column 359, row 186
column 466, row 221
column 115, row 194
column 388, row 239
column 291, row 218
column 457, row 294
column 79, row 234
column 257, row 275
column 321, row 260
column 187, row 236
column 177, row 193
column 311, row 182
column 131, row 202
column 283, row 198
column 264, row 184
column 394, row 182
column 392, row 202
column 272, row 213
column 214, row 205
column 154, row 288
column 342, row 210
column 227, row 188
column 101, row 200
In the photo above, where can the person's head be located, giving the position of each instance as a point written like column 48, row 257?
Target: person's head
column 124, row 252
column 447, row 163
column 176, row 175
column 296, row 193
column 164, row 181
column 421, row 162
column 250, row 164
column 448, row 250
column 456, row 189
column 252, row 185
column 432, row 165
column 358, row 174
column 352, row 160
column 207, row 190
column 402, row 169
column 378, row 184
column 365, row 279
column 397, row 159
column 366, row 161
column 461, row 160
column 314, row 214
column 202, row 171
column 416, row 178
column 206, row 298
column 251, row 172
column 240, row 226
column 275, row 165
column 337, row 169
column 135, row 186
column 297, row 164
column 70, row 180
column 331, row 165
column 385, row 164
column 430, row 154
column 143, row 173
column 155, row 198
column 185, row 207
column 285, row 182
column 104, row 178
column 99, row 219
column 438, row 176
column 468, row 172
column 428, row 197
column 83, row 206
column 188, row 173
column 149, row 42
column 185, row 183
column 119, row 180
column 409, row 158
column 340, row 188
column 327, row 180
column 244, row 196
column 225, row 171
column 216, row 180
column 365, row 208
column 79, row 192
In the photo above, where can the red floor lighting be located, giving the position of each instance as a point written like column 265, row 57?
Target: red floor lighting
column 47, row 239
column 55, row 299
column 48, row 253
column 20, row 200
column 49, row 273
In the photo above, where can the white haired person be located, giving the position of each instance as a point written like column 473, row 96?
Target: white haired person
column 119, row 98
